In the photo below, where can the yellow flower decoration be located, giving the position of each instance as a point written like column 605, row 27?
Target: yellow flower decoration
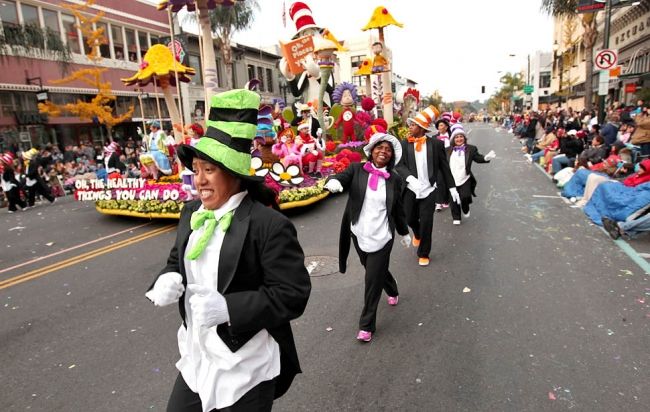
column 381, row 18
column 159, row 63
column 365, row 68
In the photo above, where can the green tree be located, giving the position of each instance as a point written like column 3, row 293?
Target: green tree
column 568, row 9
column 222, row 22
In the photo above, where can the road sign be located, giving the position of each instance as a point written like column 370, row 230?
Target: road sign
column 603, row 83
column 528, row 89
column 605, row 59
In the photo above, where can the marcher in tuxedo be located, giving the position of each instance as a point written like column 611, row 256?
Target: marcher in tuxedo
column 372, row 214
column 35, row 182
column 423, row 159
column 10, row 185
column 460, row 156
column 237, row 272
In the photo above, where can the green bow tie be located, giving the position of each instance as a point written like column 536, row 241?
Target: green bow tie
column 198, row 219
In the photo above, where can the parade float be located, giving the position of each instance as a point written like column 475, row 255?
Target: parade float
column 294, row 151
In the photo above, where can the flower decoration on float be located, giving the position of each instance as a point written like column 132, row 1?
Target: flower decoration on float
column 258, row 168
column 287, row 177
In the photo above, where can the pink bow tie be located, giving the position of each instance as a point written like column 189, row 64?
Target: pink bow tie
column 375, row 174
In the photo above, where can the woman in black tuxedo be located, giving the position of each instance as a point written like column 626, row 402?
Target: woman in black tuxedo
column 460, row 156
column 373, row 212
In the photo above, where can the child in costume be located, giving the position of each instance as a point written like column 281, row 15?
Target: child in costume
column 312, row 151
column 288, row 149
column 460, row 156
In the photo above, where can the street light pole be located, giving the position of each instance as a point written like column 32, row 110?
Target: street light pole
column 608, row 18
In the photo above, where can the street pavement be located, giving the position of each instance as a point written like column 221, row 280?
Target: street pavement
column 526, row 306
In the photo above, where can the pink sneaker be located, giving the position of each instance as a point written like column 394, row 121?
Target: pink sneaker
column 392, row 300
column 364, row 336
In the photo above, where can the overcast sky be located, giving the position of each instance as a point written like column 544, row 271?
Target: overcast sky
column 451, row 46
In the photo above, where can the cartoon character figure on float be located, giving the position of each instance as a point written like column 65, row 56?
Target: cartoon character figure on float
column 346, row 94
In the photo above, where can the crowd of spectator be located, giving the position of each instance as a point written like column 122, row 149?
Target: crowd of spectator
column 581, row 154
column 60, row 166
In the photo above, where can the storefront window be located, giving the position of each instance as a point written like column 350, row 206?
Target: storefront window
column 51, row 20
column 269, row 80
column 118, row 42
column 144, row 43
column 195, row 63
column 8, row 13
column 30, row 15
column 71, row 32
column 6, row 104
column 260, row 77
column 104, row 47
column 131, row 46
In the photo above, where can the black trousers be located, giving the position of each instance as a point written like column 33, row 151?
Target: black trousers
column 419, row 216
column 260, row 398
column 377, row 278
column 465, row 193
column 13, row 197
column 40, row 188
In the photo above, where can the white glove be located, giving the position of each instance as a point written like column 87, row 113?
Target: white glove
column 284, row 69
column 406, row 240
column 167, row 289
column 491, row 155
column 319, row 132
column 311, row 66
column 413, row 185
column 333, row 186
column 209, row 307
column 139, row 130
column 454, row 195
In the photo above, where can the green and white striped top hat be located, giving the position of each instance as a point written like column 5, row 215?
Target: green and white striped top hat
column 231, row 127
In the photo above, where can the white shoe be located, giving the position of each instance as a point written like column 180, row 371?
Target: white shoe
column 457, row 222
column 466, row 215
column 10, row 211
column 438, row 207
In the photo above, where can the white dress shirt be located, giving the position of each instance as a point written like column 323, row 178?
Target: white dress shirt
column 423, row 173
column 457, row 166
column 372, row 229
column 209, row 368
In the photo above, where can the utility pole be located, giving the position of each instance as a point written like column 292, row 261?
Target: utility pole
column 608, row 17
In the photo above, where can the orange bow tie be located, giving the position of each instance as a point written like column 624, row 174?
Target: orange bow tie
column 419, row 141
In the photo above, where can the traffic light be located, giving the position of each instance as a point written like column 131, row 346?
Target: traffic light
column 482, row 89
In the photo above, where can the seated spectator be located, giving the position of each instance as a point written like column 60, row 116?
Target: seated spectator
column 593, row 154
column 625, row 132
column 133, row 171
column 609, row 132
column 570, row 147
column 641, row 136
column 631, row 227
column 540, row 148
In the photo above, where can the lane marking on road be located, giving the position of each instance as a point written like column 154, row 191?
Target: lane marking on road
column 33, row 274
column 633, row 254
column 549, row 197
column 73, row 248
column 625, row 247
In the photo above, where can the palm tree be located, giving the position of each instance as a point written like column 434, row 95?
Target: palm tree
column 225, row 21
column 220, row 20
column 568, row 9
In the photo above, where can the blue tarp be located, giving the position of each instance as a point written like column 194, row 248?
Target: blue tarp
column 575, row 187
column 616, row 201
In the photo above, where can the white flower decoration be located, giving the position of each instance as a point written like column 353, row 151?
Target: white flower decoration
column 289, row 177
column 257, row 167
